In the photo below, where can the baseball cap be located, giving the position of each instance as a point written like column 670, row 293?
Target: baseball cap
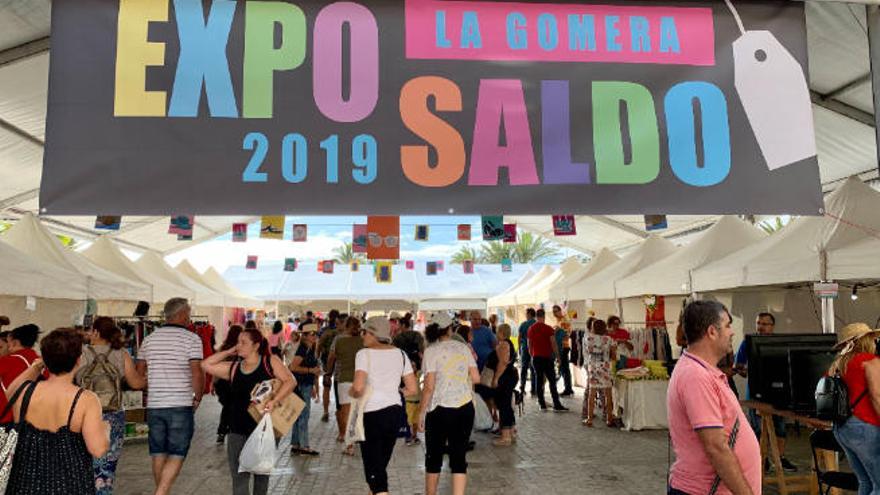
column 394, row 316
column 441, row 319
column 378, row 326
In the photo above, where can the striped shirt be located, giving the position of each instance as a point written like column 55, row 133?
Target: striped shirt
column 168, row 352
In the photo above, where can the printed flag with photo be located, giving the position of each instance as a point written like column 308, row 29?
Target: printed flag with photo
column 290, row 264
column 272, row 227
column 300, row 232
column 383, row 237
column 355, row 266
column 468, row 266
column 359, row 238
column 655, row 222
column 464, row 232
column 421, row 232
column 410, row 264
column 182, row 224
column 431, row 268
column 509, row 232
column 251, row 263
column 239, row 232
column 107, row 222
column 441, row 265
column 327, row 266
column 493, row 227
column 383, row 272
column 564, row 225
column 506, row 265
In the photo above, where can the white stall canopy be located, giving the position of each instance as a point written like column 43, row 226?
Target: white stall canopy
column 27, row 276
column 511, row 296
column 30, row 236
column 216, row 280
column 671, row 276
column 185, row 269
column 204, row 296
column 560, row 290
column 540, row 291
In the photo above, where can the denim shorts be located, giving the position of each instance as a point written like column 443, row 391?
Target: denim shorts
column 171, row 430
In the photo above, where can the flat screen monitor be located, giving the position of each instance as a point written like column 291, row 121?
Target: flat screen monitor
column 806, row 367
column 769, row 373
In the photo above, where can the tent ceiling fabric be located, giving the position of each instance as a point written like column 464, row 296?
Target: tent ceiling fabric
column 838, row 51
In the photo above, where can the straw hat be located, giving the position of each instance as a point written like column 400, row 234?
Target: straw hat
column 308, row 328
column 847, row 336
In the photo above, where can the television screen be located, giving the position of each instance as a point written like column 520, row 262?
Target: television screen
column 768, row 374
column 806, row 367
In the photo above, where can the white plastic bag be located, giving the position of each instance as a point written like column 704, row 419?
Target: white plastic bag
column 258, row 454
column 482, row 416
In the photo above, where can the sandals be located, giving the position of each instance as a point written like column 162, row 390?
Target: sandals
column 501, row 442
column 349, row 451
column 588, row 422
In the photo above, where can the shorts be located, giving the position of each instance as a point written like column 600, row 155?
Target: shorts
column 171, row 431
column 342, row 389
column 412, row 412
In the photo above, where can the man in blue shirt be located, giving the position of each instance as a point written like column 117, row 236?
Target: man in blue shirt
column 483, row 340
column 525, row 358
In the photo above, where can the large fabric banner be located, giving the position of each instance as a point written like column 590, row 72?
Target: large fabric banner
column 429, row 107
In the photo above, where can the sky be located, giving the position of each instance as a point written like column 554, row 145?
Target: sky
column 328, row 232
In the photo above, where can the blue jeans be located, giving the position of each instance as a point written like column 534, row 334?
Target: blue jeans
column 778, row 424
column 171, row 431
column 527, row 372
column 300, row 436
column 861, row 442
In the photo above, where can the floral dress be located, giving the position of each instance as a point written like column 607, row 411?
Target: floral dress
column 597, row 360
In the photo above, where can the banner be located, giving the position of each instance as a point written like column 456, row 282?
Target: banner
column 383, row 238
column 429, row 107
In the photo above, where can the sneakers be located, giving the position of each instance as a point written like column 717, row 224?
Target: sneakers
column 787, row 466
column 220, row 438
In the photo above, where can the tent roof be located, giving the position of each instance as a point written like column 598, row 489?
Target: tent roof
column 509, row 297
column 151, row 262
column 559, row 291
column 843, row 115
column 671, row 275
column 858, row 261
column 214, row 278
column 24, row 275
column 600, row 285
column 230, row 300
column 105, row 254
column 540, row 291
column 31, row 236
column 793, row 254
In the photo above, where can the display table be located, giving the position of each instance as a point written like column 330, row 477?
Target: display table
column 641, row 404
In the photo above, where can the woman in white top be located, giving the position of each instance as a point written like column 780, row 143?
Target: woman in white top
column 447, row 408
column 378, row 370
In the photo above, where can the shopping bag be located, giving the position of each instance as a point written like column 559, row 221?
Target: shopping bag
column 285, row 412
column 354, row 429
column 482, row 416
column 258, row 455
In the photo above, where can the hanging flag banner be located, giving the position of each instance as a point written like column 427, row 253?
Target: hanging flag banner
column 426, row 106
column 493, row 227
column 410, row 264
column 327, row 266
column 272, row 227
column 510, row 232
column 181, row 224
column 431, row 268
column 107, row 222
column 655, row 222
column 383, row 237
column 290, row 264
column 464, row 232
column 421, row 233
column 468, row 266
column 441, row 265
column 239, row 232
column 383, row 272
column 564, row 225
column 359, row 238
column 506, row 265
column 300, row 232
column 251, row 263
column 354, row 266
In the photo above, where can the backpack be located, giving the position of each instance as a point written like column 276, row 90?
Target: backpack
column 832, row 399
column 409, row 343
column 104, row 379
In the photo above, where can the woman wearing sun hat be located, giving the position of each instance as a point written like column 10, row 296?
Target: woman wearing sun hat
column 858, row 365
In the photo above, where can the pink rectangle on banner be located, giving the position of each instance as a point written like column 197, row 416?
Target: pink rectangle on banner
column 456, row 30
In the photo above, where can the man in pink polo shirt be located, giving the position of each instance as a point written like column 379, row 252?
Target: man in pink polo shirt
column 703, row 412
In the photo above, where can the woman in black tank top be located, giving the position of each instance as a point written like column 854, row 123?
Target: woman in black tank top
column 253, row 365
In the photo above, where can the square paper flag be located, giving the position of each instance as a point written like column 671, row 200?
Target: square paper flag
column 383, row 272
column 464, row 232
column 359, row 238
column 468, row 266
column 355, row 266
column 655, row 222
column 441, row 265
column 239, row 232
column 289, row 264
column 181, row 224
column 510, row 232
column 431, row 268
column 506, row 265
column 300, row 232
column 251, row 263
column 107, row 222
column 272, row 227
column 410, row 264
column 327, row 266
column 421, row 232
column 493, row 228
column 564, row 225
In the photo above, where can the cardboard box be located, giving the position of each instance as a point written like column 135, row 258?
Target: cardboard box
column 284, row 414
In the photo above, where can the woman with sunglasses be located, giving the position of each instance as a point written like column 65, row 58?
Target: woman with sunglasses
column 378, row 372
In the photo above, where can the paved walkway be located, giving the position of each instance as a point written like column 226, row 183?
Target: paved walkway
column 554, row 454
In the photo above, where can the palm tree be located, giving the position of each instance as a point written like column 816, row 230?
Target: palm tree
column 345, row 254
column 530, row 248
column 770, row 227
column 466, row 253
column 495, row 251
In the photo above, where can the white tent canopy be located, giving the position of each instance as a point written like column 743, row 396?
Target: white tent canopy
column 671, row 276
column 601, row 284
column 105, row 254
column 540, row 291
column 30, row 236
column 560, row 290
column 203, row 296
column 214, row 279
column 185, row 269
column 27, row 276
column 795, row 253
column 510, row 296
column 858, row 261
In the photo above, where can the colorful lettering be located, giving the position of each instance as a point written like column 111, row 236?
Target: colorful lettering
column 556, row 137
column 517, row 39
column 134, row 54
column 581, row 32
column 680, row 118
column 612, row 165
column 440, row 30
column 470, row 31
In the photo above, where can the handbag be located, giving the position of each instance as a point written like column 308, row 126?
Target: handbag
column 354, row 429
column 8, row 440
